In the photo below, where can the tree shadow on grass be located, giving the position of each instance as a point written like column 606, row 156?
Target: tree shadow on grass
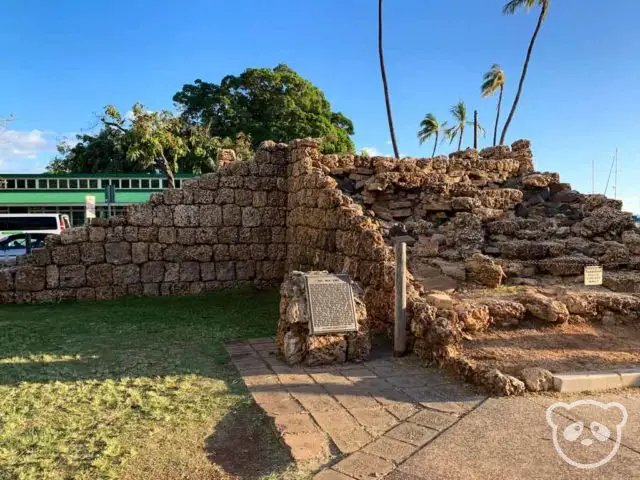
column 245, row 444
column 159, row 346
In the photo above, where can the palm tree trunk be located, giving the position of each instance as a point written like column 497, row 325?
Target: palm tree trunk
column 384, row 83
column 543, row 11
column 495, row 130
column 435, row 145
column 460, row 139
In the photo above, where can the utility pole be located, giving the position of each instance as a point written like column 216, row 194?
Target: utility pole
column 593, row 176
column 475, row 129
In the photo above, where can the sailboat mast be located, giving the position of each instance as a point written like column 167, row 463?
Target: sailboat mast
column 615, row 177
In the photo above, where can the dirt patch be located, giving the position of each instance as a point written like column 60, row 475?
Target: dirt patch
column 564, row 348
column 245, row 445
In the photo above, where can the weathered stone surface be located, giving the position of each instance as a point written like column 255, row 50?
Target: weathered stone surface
column 29, row 279
column 186, row 215
column 504, row 312
column 152, row 272
column 100, row 275
column 139, row 252
column 502, row 384
column 440, row 300
column 92, row 252
column 72, row 276
column 118, row 253
column 537, row 379
column 545, row 308
column 483, row 270
column 210, row 215
column 140, row 214
column 474, row 318
column 73, row 235
column 66, row 255
column 126, row 274
column 540, row 180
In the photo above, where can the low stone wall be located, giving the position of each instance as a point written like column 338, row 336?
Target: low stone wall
column 223, row 230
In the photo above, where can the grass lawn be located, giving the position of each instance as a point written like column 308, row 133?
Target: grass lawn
column 137, row 388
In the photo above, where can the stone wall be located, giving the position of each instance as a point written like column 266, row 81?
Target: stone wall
column 223, row 230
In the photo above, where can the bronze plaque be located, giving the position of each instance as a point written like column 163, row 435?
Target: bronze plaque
column 331, row 304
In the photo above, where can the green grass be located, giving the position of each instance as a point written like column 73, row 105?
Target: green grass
column 134, row 388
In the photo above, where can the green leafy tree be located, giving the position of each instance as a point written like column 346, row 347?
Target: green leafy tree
column 146, row 142
column 459, row 112
column 266, row 104
column 102, row 152
column 509, row 9
column 494, row 81
column 385, row 85
column 430, row 127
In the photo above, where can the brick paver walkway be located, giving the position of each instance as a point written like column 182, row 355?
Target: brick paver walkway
column 374, row 416
column 389, row 418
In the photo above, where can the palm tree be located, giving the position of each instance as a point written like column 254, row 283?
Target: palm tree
column 384, row 82
column 459, row 112
column 491, row 81
column 431, row 128
column 509, row 9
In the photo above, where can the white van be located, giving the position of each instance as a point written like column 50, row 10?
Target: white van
column 46, row 223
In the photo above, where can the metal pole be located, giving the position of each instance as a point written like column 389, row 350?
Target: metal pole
column 593, row 175
column 400, row 324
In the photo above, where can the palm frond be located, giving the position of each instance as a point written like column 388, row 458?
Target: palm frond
column 430, row 126
column 459, row 111
column 513, row 6
column 492, row 81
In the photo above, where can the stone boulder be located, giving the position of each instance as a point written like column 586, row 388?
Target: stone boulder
column 504, row 312
column 540, row 180
column 545, row 308
column 474, row 318
column 500, row 383
column 482, row 270
column 537, row 379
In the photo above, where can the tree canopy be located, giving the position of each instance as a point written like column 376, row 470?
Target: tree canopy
column 145, row 141
column 266, row 104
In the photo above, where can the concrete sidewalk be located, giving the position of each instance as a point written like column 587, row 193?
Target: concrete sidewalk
column 390, row 418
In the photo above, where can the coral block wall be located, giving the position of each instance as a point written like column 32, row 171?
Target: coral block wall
column 220, row 231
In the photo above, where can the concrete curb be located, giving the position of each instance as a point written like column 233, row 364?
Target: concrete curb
column 594, row 381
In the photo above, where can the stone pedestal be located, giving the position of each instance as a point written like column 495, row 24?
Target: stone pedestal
column 296, row 344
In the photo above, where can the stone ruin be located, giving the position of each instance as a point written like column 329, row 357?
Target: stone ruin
column 481, row 220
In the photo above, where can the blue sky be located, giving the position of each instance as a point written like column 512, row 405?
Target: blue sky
column 63, row 61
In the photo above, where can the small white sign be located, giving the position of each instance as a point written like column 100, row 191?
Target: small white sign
column 90, row 206
column 593, row 275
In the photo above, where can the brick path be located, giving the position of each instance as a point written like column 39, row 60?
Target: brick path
column 373, row 415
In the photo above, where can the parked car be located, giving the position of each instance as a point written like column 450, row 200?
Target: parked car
column 18, row 244
column 47, row 223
